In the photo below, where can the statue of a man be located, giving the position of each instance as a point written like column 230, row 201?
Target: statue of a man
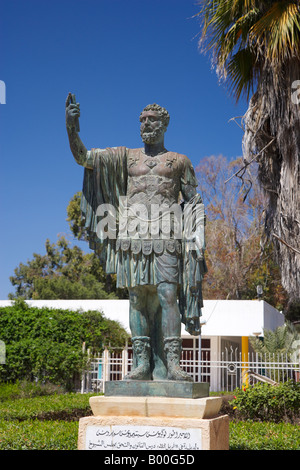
column 156, row 265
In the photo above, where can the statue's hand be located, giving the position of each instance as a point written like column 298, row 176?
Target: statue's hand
column 72, row 113
column 199, row 248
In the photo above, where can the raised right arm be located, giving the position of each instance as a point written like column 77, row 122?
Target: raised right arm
column 80, row 153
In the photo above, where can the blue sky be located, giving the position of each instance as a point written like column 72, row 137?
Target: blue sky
column 117, row 56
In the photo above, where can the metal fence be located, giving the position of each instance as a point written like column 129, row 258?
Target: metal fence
column 228, row 372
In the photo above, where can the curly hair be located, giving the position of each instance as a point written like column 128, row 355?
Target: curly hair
column 165, row 117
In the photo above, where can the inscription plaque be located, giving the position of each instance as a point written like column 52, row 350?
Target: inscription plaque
column 128, row 437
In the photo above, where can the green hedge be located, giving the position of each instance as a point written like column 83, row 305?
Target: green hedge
column 46, row 344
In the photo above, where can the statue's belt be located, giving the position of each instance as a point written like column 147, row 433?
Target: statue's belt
column 147, row 246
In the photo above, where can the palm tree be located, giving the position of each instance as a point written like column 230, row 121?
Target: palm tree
column 283, row 340
column 255, row 47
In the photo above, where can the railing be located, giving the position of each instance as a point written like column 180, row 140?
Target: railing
column 234, row 370
column 226, row 374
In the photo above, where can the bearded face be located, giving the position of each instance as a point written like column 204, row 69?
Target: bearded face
column 152, row 128
column 152, row 136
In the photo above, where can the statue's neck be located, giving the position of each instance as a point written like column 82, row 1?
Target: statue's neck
column 154, row 149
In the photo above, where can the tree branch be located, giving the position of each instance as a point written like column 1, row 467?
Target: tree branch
column 249, row 163
column 234, row 119
column 285, row 243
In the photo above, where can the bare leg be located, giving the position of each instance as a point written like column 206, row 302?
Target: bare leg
column 138, row 317
column 171, row 322
column 158, row 362
column 171, row 326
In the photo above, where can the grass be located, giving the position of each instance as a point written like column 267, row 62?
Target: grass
column 47, row 422
column 250, row 435
column 50, row 422
column 33, row 434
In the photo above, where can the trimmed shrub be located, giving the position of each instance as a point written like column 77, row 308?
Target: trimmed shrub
column 46, row 344
column 265, row 402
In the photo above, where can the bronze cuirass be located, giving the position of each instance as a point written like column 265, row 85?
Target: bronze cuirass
column 153, row 180
column 153, row 188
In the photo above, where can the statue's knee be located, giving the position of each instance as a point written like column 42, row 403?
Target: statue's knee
column 167, row 294
column 137, row 299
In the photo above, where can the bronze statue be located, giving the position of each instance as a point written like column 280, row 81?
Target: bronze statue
column 159, row 259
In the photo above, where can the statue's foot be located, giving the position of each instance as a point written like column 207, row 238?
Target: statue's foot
column 141, row 350
column 176, row 373
column 173, row 353
column 140, row 373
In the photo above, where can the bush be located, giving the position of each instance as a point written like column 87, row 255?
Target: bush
column 265, row 402
column 46, row 344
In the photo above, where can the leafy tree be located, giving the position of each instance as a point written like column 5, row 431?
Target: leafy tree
column 236, row 263
column 64, row 272
column 255, row 47
column 74, row 218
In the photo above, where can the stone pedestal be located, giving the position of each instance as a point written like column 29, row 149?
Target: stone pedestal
column 154, row 424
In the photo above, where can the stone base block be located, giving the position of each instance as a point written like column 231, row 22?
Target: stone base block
column 153, row 434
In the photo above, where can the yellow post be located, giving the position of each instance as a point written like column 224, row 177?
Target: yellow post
column 245, row 351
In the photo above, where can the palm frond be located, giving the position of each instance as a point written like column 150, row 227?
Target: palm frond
column 245, row 35
column 277, row 31
column 241, row 70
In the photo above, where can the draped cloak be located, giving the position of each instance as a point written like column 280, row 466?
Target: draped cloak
column 105, row 181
